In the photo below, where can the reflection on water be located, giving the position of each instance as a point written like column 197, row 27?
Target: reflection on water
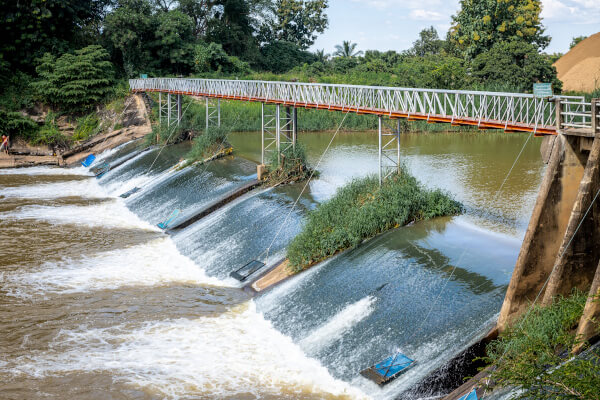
column 96, row 302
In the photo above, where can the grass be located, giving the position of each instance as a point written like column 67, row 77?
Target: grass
column 528, row 353
column 361, row 210
column 290, row 166
column 208, row 144
column 87, row 126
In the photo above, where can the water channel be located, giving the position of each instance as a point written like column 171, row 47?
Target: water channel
column 97, row 302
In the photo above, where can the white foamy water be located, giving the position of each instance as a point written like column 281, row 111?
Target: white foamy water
column 46, row 171
column 87, row 188
column 235, row 353
column 106, row 214
column 338, row 324
column 150, row 264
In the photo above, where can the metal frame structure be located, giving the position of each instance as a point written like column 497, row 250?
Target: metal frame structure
column 213, row 112
column 389, row 148
column 278, row 130
column 169, row 110
column 486, row 110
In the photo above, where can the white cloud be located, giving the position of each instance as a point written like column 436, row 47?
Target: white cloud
column 426, row 15
column 571, row 11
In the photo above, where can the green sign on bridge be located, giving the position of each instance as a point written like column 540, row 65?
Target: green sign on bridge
column 542, row 89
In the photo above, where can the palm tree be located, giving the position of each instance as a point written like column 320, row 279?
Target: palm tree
column 321, row 55
column 346, row 49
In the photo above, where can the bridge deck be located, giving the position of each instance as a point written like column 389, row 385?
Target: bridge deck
column 485, row 110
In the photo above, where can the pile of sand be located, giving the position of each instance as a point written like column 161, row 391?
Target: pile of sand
column 579, row 69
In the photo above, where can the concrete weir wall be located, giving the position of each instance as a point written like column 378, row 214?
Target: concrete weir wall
column 561, row 248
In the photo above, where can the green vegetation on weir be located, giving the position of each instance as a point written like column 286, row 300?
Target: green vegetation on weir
column 289, row 166
column 361, row 210
column 211, row 143
column 534, row 354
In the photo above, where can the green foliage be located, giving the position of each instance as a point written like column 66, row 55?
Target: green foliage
column 211, row 57
column 14, row 124
column 295, row 21
column 208, row 144
column 534, row 354
column 289, row 166
column 363, row 209
column 50, row 135
column 346, row 49
column 174, row 47
column 576, row 41
column 75, row 82
column 514, row 63
column 428, row 43
column 86, row 126
column 282, row 56
column 479, row 24
column 32, row 28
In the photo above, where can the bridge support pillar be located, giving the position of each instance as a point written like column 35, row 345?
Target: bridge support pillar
column 560, row 250
column 213, row 112
column 389, row 148
column 169, row 110
column 279, row 130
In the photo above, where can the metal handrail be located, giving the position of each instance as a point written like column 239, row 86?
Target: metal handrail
column 515, row 111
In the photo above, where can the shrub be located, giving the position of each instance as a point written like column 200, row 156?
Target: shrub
column 75, row 82
column 86, row 126
column 290, row 166
column 283, row 56
column 363, row 209
column 14, row 125
column 50, row 134
column 534, row 354
column 208, row 144
column 211, row 57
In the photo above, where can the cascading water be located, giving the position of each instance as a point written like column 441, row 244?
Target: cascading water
column 98, row 301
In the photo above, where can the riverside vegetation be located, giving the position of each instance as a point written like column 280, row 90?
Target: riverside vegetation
column 534, row 354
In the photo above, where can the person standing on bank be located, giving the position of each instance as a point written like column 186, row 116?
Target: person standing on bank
column 4, row 145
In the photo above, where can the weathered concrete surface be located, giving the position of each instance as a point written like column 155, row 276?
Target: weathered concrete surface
column 17, row 161
column 579, row 252
column 588, row 324
column 546, row 228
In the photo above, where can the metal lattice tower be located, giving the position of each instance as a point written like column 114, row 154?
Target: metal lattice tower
column 279, row 130
column 169, row 110
column 389, row 148
column 213, row 112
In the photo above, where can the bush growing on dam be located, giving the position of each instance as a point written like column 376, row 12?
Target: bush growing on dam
column 363, row 209
column 290, row 166
column 534, row 354
column 209, row 144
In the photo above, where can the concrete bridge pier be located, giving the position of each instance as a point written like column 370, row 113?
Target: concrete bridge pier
column 561, row 249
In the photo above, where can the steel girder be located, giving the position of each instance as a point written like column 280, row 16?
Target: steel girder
column 278, row 130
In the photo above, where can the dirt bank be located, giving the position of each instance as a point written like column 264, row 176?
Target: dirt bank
column 579, row 69
column 135, row 123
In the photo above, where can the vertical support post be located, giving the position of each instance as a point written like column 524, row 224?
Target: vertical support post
column 294, row 127
column 160, row 108
column 278, row 132
column 595, row 116
column 179, row 109
column 207, row 113
column 559, row 119
column 218, row 112
column 262, row 132
column 398, row 143
column 169, row 110
column 380, row 151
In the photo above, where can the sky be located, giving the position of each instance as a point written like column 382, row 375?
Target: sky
column 395, row 24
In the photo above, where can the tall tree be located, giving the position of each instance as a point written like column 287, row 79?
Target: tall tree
column 479, row 24
column 346, row 49
column 295, row 21
column 429, row 43
column 31, row 28
column 232, row 27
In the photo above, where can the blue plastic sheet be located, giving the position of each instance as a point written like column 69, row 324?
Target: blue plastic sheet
column 470, row 396
column 393, row 365
column 88, row 160
column 165, row 224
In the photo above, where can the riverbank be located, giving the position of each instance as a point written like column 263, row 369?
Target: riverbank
column 133, row 122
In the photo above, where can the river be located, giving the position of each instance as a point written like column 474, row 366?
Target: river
column 97, row 302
